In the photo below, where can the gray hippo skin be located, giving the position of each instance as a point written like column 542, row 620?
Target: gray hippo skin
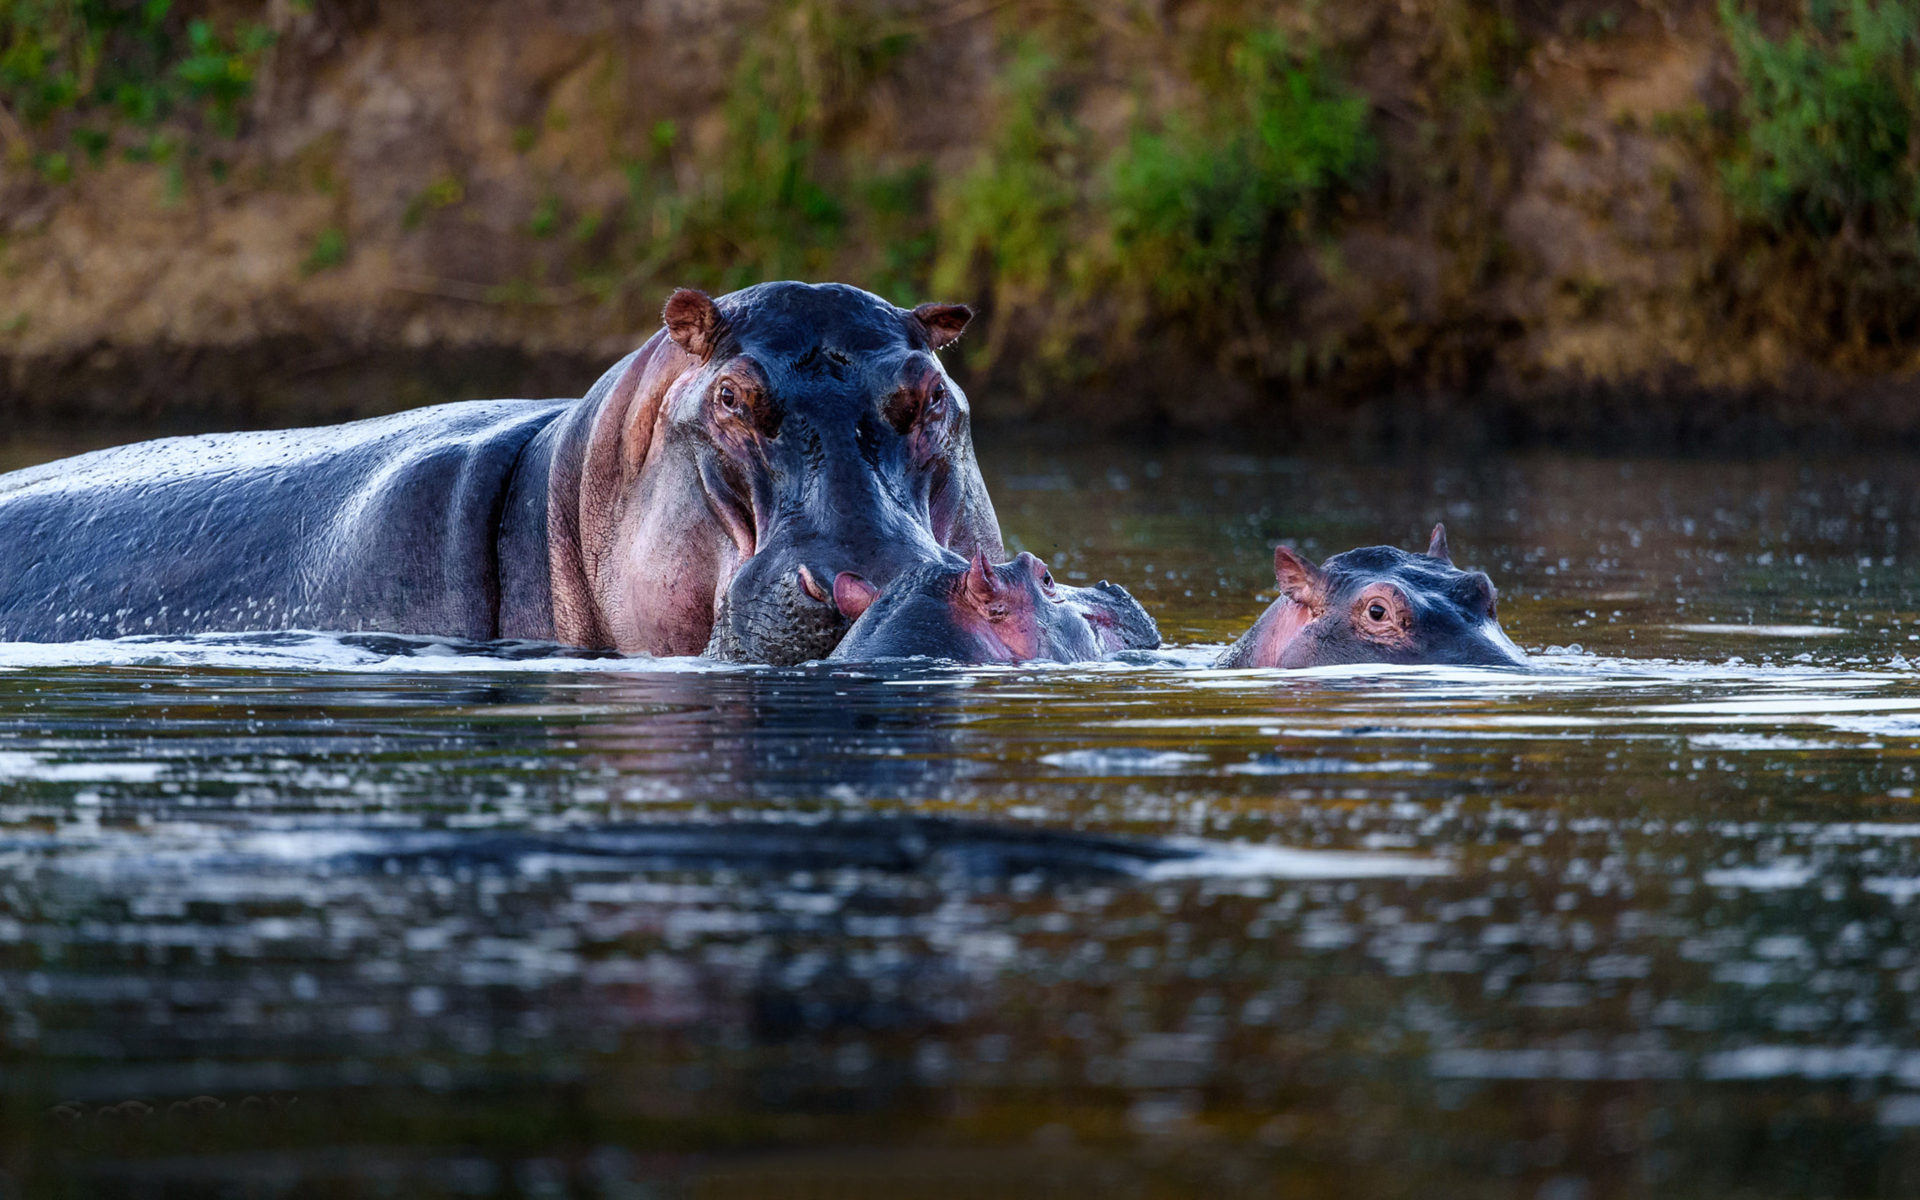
column 975, row 612
column 779, row 436
column 1377, row 604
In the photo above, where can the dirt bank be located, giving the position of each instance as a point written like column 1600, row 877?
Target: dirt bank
column 1523, row 227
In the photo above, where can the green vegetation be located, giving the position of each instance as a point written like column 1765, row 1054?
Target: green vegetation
column 90, row 73
column 1210, row 189
column 1013, row 227
column 771, row 202
column 444, row 192
column 1185, row 218
column 1199, row 206
column 1820, row 168
column 329, row 250
column 1828, row 116
column 1183, row 214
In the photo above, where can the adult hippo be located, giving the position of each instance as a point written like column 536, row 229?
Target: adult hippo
column 980, row 613
column 707, row 493
column 1377, row 604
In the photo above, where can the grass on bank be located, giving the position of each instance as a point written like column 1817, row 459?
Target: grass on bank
column 1820, row 168
column 78, row 77
column 1242, row 149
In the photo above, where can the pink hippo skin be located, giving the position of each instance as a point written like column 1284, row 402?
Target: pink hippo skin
column 703, row 496
column 1377, row 604
column 760, row 447
column 976, row 612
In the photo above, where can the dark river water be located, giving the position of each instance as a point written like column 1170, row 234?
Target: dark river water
column 300, row 914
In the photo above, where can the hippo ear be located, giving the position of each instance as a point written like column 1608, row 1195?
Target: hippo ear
column 694, row 322
column 1437, row 545
column 1300, row 581
column 981, row 583
column 944, row 322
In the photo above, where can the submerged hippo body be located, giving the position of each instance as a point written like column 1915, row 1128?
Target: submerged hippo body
column 975, row 612
column 693, row 500
column 1377, row 604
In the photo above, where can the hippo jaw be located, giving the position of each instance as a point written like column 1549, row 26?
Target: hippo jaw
column 1118, row 621
column 1377, row 604
column 811, row 437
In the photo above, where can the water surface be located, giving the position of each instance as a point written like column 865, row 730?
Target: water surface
column 383, row 915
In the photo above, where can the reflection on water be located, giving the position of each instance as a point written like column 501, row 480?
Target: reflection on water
column 431, row 919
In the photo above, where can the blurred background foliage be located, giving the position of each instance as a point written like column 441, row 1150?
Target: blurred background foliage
column 1284, row 207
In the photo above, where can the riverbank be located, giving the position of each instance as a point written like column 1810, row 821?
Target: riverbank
column 1581, row 222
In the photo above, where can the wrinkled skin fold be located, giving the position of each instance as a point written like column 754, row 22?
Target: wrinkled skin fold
column 712, row 491
column 796, row 436
column 1377, row 604
column 976, row 612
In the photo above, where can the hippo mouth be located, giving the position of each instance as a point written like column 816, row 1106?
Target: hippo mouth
column 781, row 624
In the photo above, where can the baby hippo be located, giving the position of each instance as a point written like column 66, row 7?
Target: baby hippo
column 1377, row 604
column 1012, row 613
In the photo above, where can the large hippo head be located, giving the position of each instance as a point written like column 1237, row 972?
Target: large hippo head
column 980, row 613
column 763, row 466
column 1377, row 604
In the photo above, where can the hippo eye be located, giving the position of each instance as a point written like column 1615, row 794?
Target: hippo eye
column 729, row 398
column 1377, row 611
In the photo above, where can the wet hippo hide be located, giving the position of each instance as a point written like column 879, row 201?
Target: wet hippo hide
column 383, row 524
column 709, row 491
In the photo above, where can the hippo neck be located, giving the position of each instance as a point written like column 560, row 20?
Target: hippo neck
column 524, row 546
column 552, row 517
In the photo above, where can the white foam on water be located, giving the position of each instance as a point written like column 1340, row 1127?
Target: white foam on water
column 1765, row 631
column 309, row 845
column 1787, row 873
column 301, row 650
column 1813, row 1063
column 1228, row 860
column 1122, row 761
column 1900, row 891
column 1758, row 741
column 16, row 765
column 1187, row 666
column 1805, row 704
column 1326, row 766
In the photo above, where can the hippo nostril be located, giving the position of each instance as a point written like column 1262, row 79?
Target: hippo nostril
column 812, row 588
column 852, row 594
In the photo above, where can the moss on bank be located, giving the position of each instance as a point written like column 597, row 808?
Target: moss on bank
column 1293, row 208
column 1821, row 164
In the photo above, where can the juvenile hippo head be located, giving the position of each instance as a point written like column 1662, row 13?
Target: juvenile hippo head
column 976, row 612
column 1378, row 604
column 769, row 450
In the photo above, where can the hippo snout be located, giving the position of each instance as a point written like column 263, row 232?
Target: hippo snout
column 850, row 593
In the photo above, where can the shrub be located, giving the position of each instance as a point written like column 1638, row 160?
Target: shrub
column 1198, row 207
column 1828, row 117
column 1011, row 215
column 1820, row 170
column 124, row 62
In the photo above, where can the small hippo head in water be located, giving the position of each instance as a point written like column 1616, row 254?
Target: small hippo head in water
column 785, row 451
column 1377, row 604
column 979, row 613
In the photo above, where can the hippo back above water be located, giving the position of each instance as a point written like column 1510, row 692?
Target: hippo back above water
column 693, row 500
column 1377, row 604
